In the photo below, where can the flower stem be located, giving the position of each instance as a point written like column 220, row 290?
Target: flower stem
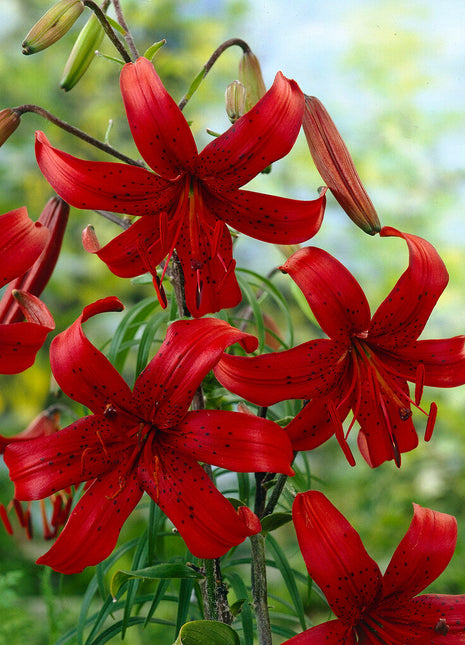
column 108, row 30
column 127, row 34
column 209, row 64
column 259, row 589
column 22, row 109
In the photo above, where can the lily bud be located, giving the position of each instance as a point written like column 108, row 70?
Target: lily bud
column 336, row 167
column 83, row 52
column 52, row 26
column 235, row 98
column 250, row 75
column 9, row 121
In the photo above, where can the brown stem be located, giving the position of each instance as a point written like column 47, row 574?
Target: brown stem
column 209, row 64
column 108, row 30
column 124, row 222
column 22, row 109
column 127, row 34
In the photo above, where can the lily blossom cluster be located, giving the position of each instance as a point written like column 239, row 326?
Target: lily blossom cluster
column 366, row 362
column 371, row 607
column 145, row 440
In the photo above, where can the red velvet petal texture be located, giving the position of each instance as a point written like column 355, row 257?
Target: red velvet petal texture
column 21, row 243
column 335, row 556
column 334, row 296
column 400, row 319
column 334, row 632
column 164, row 390
column 233, row 440
column 422, row 555
column 158, row 126
column 263, row 135
column 269, row 218
column 205, row 519
column 115, row 187
column 84, row 373
column 93, row 527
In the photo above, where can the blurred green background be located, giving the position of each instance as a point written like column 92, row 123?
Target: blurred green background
column 391, row 76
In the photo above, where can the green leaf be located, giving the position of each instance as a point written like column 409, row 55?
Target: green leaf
column 156, row 572
column 152, row 50
column 207, row 632
column 274, row 521
column 242, row 606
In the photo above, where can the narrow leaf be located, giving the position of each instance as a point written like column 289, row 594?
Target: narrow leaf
column 166, row 570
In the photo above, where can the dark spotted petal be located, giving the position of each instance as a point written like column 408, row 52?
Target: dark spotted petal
column 21, row 243
column 84, row 373
column 234, row 440
column 422, row 555
column 205, row 519
column 269, row 218
column 308, row 370
column 334, row 632
column 263, row 135
column 400, row 319
column 160, row 131
column 165, row 389
column 334, row 295
column 93, row 527
column 102, row 185
column 335, row 556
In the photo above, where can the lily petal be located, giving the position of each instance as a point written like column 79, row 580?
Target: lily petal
column 313, row 425
column 84, row 373
column 261, row 136
column 22, row 241
column 102, row 185
column 400, row 319
column 160, row 131
column 334, row 632
column 302, row 372
column 334, row 295
column 205, row 519
column 92, row 529
column 422, row 555
column 234, row 440
column 164, row 390
column 267, row 217
column 335, row 556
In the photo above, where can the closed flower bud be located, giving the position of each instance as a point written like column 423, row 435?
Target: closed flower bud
column 250, row 75
column 336, row 167
column 53, row 25
column 9, row 121
column 235, row 98
column 83, row 52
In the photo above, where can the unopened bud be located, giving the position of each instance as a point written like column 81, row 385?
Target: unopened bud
column 336, row 167
column 53, row 25
column 250, row 75
column 9, row 121
column 235, row 98
column 83, row 52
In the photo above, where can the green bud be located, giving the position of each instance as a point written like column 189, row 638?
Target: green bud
column 83, row 52
column 250, row 74
column 52, row 26
column 9, row 121
column 235, row 98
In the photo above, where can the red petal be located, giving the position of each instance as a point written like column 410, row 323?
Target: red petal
column 334, row 632
column 102, row 185
column 21, row 243
column 335, row 556
column 233, row 440
column 313, row 425
column 263, row 135
column 269, row 218
column 159, row 129
column 93, row 527
column 308, row 370
column 334, row 295
column 165, row 389
column 84, row 373
column 400, row 319
column 422, row 555
column 205, row 519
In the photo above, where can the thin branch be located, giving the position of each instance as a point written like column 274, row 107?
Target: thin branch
column 108, row 30
column 127, row 34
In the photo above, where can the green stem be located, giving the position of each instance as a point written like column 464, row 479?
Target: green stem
column 210, row 583
column 108, row 30
column 259, row 589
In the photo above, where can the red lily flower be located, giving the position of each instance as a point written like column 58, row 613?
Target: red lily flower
column 372, row 608
column 365, row 364
column 145, row 440
column 188, row 202
column 21, row 243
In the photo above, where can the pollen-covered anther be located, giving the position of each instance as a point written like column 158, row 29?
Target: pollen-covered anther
column 441, row 627
column 405, row 414
column 110, row 411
